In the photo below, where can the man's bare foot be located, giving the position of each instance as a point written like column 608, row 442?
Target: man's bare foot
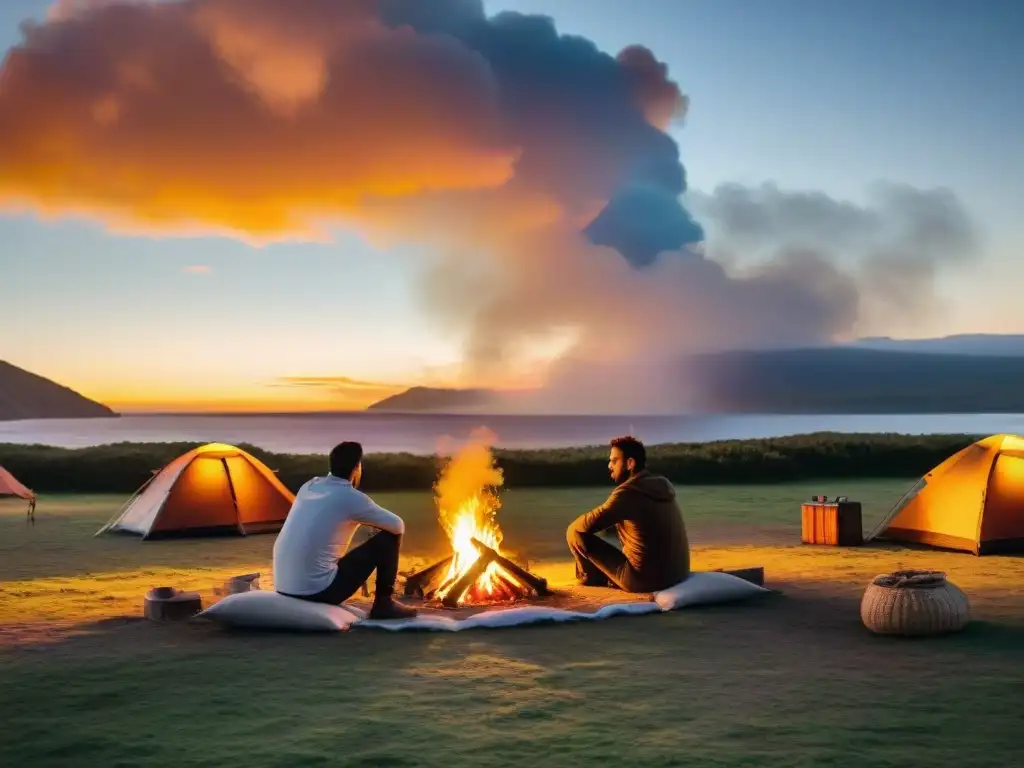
column 390, row 609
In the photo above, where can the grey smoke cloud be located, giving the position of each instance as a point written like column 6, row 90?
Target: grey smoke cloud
column 931, row 222
column 892, row 246
column 777, row 268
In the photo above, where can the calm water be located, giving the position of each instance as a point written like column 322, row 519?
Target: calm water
column 317, row 433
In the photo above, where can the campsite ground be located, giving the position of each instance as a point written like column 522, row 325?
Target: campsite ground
column 792, row 679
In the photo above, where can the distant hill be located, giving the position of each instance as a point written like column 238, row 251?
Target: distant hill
column 24, row 395
column 983, row 344
column 846, row 379
column 853, row 380
column 433, row 399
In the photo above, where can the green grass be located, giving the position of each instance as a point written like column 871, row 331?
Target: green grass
column 792, row 680
column 533, row 520
column 658, row 691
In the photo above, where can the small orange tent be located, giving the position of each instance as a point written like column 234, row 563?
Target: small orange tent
column 215, row 489
column 9, row 486
column 972, row 501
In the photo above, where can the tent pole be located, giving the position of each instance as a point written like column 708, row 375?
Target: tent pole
column 234, row 498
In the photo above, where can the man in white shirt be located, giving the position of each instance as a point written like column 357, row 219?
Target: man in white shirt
column 325, row 515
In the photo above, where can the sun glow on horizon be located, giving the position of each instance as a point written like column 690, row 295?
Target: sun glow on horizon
column 315, row 394
column 178, row 379
column 292, row 394
column 288, row 394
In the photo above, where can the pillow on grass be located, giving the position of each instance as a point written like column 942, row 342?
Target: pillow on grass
column 706, row 588
column 266, row 609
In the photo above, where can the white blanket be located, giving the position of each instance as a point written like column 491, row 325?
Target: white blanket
column 266, row 609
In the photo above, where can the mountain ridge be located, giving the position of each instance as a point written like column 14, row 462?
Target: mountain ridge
column 877, row 376
column 971, row 344
column 27, row 395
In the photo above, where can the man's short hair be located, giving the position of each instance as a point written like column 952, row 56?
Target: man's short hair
column 345, row 457
column 631, row 449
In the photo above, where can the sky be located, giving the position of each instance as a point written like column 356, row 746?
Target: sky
column 827, row 97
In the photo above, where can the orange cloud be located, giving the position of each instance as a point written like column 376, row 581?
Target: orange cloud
column 290, row 393
column 333, row 382
column 266, row 119
column 259, row 117
column 198, row 269
column 343, row 391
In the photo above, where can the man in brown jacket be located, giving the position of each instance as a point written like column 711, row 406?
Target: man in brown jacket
column 655, row 552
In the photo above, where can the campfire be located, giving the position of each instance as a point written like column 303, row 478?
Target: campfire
column 476, row 573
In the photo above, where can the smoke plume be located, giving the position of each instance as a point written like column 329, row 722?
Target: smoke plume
column 539, row 166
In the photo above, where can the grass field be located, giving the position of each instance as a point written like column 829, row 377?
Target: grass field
column 790, row 680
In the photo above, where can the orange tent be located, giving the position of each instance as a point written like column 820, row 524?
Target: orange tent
column 9, row 486
column 972, row 501
column 215, row 489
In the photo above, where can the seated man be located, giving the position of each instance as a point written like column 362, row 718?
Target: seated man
column 325, row 515
column 655, row 552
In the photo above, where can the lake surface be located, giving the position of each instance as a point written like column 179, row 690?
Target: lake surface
column 425, row 433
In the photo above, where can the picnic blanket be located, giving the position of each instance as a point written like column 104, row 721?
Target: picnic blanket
column 266, row 609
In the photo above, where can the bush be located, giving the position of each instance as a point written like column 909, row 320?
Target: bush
column 123, row 467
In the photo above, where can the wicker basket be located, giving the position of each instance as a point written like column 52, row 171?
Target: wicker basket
column 914, row 603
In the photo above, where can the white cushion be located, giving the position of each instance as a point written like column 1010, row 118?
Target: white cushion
column 266, row 609
column 705, row 588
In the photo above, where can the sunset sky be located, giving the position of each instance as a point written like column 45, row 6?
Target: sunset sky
column 826, row 97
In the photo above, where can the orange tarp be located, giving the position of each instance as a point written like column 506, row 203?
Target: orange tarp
column 9, row 486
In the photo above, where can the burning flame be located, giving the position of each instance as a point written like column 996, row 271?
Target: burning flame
column 467, row 504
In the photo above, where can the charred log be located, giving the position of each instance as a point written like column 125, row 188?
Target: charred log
column 464, row 582
column 419, row 584
column 539, row 585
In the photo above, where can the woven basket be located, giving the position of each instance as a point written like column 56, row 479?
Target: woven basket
column 914, row 603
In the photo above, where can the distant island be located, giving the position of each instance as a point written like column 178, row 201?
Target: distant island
column 433, row 399
column 25, row 395
column 870, row 376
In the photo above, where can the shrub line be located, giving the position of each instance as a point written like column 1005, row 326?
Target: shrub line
column 123, row 467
